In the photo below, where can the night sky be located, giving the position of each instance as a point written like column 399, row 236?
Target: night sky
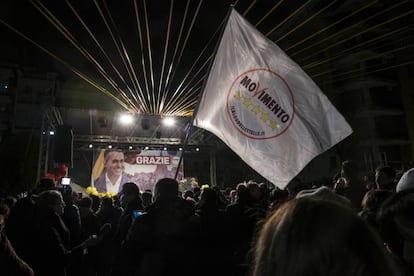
column 104, row 43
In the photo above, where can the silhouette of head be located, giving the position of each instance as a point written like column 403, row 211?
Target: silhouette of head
column 166, row 188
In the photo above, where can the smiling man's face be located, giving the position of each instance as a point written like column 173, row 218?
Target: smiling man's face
column 114, row 163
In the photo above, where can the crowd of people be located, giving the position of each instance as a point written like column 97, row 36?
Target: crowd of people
column 346, row 227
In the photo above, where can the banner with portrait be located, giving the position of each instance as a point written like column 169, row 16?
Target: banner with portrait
column 144, row 168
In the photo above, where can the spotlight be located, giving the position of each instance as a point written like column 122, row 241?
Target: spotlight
column 130, row 147
column 51, row 132
column 180, row 149
column 168, row 121
column 109, row 146
column 146, row 148
column 90, row 146
column 197, row 149
column 126, row 119
column 165, row 148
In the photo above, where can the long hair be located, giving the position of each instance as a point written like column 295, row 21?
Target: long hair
column 309, row 236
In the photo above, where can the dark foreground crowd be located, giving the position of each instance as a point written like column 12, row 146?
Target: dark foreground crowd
column 348, row 227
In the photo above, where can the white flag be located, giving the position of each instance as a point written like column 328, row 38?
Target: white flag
column 265, row 107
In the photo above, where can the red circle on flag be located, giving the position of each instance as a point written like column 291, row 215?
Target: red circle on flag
column 260, row 104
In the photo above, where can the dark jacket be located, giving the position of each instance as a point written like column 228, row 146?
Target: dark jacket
column 161, row 241
column 10, row 263
column 19, row 226
column 126, row 219
column 50, row 244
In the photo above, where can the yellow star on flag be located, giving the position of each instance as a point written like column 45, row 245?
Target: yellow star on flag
column 264, row 117
column 238, row 95
column 273, row 124
column 247, row 102
column 256, row 108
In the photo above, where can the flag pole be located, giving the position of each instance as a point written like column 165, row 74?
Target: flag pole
column 190, row 124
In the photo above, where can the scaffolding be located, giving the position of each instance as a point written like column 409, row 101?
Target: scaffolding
column 50, row 120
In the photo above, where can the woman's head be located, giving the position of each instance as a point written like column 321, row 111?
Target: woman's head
column 51, row 199
column 309, row 236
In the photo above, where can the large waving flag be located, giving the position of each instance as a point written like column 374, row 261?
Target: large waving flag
column 264, row 106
